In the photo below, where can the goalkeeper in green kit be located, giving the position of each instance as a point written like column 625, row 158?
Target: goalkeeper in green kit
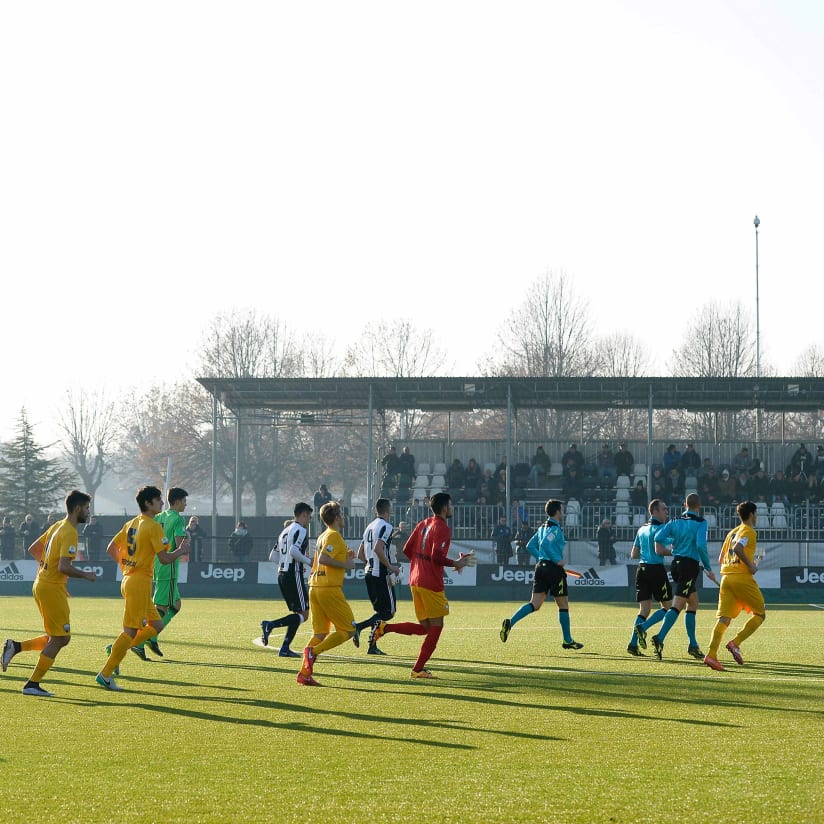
column 166, row 595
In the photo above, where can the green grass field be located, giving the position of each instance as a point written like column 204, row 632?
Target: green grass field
column 523, row 731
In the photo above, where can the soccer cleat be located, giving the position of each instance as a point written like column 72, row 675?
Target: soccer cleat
column 109, row 652
column 356, row 636
column 285, row 652
column 265, row 630
column 377, row 632
column 658, row 646
column 154, row 647
column 140, row 653
column 307, row 681
column 572, row 645
column 506, row 628
column 733, row 650
column 641, row 635
column 713, row 663
column 695, row 652
column 309, row 660
column 375, row 651
column 36, row 689
column 8, row 653
column 107, row 683
column 632, row 650
column 424, row 673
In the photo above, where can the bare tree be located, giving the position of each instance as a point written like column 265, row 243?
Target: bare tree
column 547, row 336
column 89, row 429
column 810, row 363
column 398, row 349
column 720, row 343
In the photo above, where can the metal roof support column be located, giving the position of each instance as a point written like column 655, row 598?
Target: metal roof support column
column 509, row 455
column 370, row 489
column 649, row 445
column 214, row 478
column 238, row 513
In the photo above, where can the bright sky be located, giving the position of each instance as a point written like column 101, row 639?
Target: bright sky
column 338, row 162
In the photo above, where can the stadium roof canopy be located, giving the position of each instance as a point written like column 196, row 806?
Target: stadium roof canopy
column 261, row 396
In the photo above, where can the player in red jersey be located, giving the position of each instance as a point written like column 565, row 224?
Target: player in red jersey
column 426, row 550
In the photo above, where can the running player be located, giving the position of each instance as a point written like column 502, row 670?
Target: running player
column 688, row 538
column 166, row 594
column 135, row 547
column 290, row 555
column 55, row 551
column 427, row 550
column 374, row 551
column 547, row 546
column 739, row 589
column 651, row 581
column 326, row 599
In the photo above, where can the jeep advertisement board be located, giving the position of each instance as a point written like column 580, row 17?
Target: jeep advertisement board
column 808, row 577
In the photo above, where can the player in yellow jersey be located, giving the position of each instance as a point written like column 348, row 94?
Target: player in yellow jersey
column 135, row 548
column 54, row 550
column 327, row 602
column 739, row 589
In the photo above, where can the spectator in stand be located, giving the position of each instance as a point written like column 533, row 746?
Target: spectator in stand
column 500, row 472
column 606, row 538
column 539, row 466
column 472, row 475
column 391, row 467
column 742, row 487
column 400, row 536
column 93, row 538
column 572, row 458
column 501, row 478
column 455, row 475
column 624, row 462
column 28, row 531
column 675, row 486
column 778, row 489
column 742, row 461
column 573, row 486
column 672, row 457
column 489, row 486
column 638, row 495
column 240, row 541
column 197, row 537
column 706, row 467
column 7, row 535
column 407, row 463
column 801, row 462
column 522, row 536
column 796, row 489
column 690, row 461
column 605, row 461
column 502, row 538
column 726, row 488
column 708, row 488
column 759, row 486
column 818, row 463
column 659, row 485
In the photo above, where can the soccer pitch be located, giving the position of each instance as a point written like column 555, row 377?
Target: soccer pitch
column 218, row 730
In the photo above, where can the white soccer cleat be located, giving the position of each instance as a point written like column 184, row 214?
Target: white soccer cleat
column 8, row 654
column 108, row 683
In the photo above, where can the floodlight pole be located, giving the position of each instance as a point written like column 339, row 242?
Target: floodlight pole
column 757, row 223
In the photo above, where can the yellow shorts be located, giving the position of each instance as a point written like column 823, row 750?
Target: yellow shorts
column 737, row 592
column 53, row 603
column 429, row 604
column 139, row 609
column 329, row 607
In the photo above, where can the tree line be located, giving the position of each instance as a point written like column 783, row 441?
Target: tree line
column 550, row 334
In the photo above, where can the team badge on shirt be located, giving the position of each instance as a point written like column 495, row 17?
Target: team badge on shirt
column 72, row 550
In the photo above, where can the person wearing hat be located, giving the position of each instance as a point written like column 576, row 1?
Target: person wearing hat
column 726, row 487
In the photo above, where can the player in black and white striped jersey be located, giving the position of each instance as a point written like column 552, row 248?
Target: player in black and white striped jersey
column 376, row 551
column 290, row 555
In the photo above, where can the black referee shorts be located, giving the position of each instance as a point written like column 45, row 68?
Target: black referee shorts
column 652, row 583
column 549, row 579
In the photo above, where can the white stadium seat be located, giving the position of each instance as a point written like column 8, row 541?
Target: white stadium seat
column 423, row 469
column 622, row 482
column 622, row 494
column 438, row 481
column 639, row 519
column 572, row 519
column 419, row 492
column 422, row 480
column 762, row 521
column 573, row 506
column 555, row 468
column 439, row 469
column 779, row 521
column 640, row 469
column 622, row 520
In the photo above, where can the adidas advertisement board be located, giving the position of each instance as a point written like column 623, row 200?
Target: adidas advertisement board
column 17, row 571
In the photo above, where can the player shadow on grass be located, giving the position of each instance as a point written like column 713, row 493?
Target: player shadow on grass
column 129, row 676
